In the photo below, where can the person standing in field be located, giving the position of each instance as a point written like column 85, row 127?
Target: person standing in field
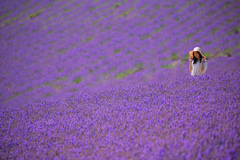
column 198, row 62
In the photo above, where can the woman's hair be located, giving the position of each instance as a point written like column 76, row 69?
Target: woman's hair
column 195, row 59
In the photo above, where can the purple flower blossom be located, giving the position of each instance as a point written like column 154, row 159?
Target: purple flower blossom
column 109, row 80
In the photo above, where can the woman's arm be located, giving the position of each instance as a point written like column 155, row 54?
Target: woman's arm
column 190, row 64
column 202, row 64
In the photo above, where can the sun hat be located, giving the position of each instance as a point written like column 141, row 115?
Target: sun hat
column 195, row 49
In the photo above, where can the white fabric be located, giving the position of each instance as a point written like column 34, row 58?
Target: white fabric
column 197, row 49
column 196, row 68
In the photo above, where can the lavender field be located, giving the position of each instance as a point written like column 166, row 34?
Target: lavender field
column 108, row 79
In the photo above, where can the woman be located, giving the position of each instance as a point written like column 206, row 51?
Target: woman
column 198, row 62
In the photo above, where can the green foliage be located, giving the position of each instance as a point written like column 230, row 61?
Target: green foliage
column 158, row 30
column 189, row 3
column 96, row 21
column 207, row 43
column 112, row 69
column 214, row 30
column 126, row 12
column 47, row 84
column 123, row 75
column 77, row 80
column 185, row 58
column 167, row 66
column 57, row 87
column 35, row 14
column 197, row 40
column 5, row 15
column 235, row 30
column 228, row 50
column 129, row 72
column 117, row 4
column 153, row 16
column 79, row 4
column 106, row 28
column 145, row 36
column 67, row 10
column 238, row 45
column 207, row 54
column 73, row 45
column 176, row 19
column 91, row 9
column 50, row 32
column 16, row 94
column 90, row 70
column 62, row 78
column 50, row 5
column 9, row 85
column 89, row 39
column 117, row 50
column 157, row 7
column 179, row 10
column 129, row 52
column 173, row 56
column 105, row 74
column 231, row 19
column 26, row 3
column 227, row 4
column 62, row 50
column 170, row 6
column 9, row 21
column 138, row 67
column 189, row 37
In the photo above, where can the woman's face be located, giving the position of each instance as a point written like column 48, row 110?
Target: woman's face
column 196, row 54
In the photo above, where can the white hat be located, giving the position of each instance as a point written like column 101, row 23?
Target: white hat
column 197, row 49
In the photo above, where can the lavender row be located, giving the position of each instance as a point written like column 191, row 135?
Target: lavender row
column 62, row 48
column 189, row 118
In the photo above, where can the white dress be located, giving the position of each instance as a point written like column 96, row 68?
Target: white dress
column 196, row 68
